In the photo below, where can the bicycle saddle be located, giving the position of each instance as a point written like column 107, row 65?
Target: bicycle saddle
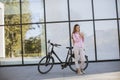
column 69, row 47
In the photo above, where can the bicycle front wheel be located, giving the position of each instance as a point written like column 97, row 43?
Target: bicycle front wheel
column 45, row 64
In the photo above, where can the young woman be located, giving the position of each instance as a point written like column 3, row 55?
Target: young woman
column 78, row 44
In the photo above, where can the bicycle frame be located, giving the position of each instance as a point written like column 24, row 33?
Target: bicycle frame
column 53, row 52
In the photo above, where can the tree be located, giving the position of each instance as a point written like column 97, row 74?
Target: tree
column 32, row 45
column 13, row 33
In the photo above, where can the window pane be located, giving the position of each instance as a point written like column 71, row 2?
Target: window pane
column 80, row 9
column 56, row 10
column 107, row 40
column 104, row 9
column 34, row 43
column 32, row 11
column 87, row 29
column 12, row 54
column 118, row 7
column 11, row 11
column 59, row 33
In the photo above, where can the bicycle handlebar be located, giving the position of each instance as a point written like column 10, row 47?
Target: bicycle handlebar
column 54, row 44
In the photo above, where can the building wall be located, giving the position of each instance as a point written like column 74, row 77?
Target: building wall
column 34, row 22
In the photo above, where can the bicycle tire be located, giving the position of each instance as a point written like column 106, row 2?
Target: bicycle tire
column 86, row 62
column 72, row 63
column 45, row 64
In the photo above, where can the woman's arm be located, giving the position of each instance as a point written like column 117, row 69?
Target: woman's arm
column 82, row 35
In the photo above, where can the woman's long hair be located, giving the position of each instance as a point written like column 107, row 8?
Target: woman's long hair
column 74, row 29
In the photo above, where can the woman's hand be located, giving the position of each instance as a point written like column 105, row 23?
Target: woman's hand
column 82, row 36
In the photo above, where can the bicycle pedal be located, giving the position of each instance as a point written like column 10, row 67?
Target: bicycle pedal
column 63, row 64
column 62, row 68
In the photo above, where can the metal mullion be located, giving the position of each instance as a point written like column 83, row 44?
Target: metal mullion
column 68, row 4
column 94, row 30
column 45, row 25
column 117, row 14
column 21, row 33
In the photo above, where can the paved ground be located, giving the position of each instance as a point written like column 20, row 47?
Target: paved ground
column 103, row 76
column 95, row 71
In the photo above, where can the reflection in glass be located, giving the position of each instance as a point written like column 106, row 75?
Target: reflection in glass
column 107, row 40
column 56, row 10
column 11, row 11
column 32, row 11
column 12, row 46
column 87, row 29
column 80, row 9
column 104, row 9
column 34, row 42
column 59, row 33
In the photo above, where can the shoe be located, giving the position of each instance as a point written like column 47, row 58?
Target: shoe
column 82, row 71
column 79, row 72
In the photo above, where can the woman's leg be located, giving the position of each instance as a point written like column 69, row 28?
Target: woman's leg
column 76, row 53
column 77, row 58
column 82, row 58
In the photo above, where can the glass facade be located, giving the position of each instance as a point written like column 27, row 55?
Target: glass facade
column 13, row 53
column 11, row 11
column 104, row 9
column 87, row 29
column 83, row 13
column 107, row 40
column 32, row 11
column 27, row 25
column 59, row 33
column 56, row 10
column 33, row 42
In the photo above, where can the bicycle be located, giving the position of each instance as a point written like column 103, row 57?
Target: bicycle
column 47, row 62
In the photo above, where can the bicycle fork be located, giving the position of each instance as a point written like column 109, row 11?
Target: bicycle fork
column 47, row 62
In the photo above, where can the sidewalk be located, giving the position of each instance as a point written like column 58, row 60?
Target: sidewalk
column 102, row 76
column 95, row 71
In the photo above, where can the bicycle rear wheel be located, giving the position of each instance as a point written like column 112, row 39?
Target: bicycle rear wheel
column 45, row 64
column 86, row 62
column 72, row 63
